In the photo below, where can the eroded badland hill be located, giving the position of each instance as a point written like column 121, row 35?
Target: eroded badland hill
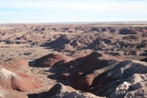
column 73, row 60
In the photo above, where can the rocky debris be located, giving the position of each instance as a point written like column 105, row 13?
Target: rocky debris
column 56, row 90
column 62, row 91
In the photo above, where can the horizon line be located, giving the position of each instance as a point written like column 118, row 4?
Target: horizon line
column 98, row 22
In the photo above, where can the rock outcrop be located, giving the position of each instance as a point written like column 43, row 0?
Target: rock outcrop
column 51, row 60
column 14, row 81
column 104, row 75
column 15, row 78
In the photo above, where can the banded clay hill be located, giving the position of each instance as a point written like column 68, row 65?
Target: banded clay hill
column 91, row 60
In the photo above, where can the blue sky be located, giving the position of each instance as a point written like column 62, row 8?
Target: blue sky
column 46, row 11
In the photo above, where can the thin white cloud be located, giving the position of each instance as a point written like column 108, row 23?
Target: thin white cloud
column 102, row 6
column 49, row 10
column 71, row 5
